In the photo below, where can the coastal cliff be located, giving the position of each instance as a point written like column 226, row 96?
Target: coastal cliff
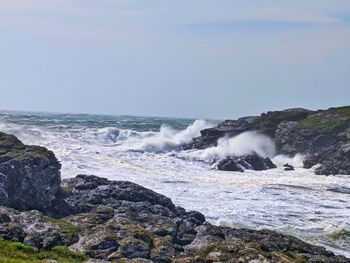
column 322, row 137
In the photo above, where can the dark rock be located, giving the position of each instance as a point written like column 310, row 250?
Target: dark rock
column 338, row 163
column 288, row 167
column 266, row 123
column 229, row 165
column 88, row 192
column 29, row 175
column 35, row 229
column 250, row 162
column 321, row 136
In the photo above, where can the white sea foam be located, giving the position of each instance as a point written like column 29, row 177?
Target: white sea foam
column 169, row 138
column 296, row 161
column 240, row 145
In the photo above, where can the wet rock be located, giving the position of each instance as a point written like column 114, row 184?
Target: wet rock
column 249, row 162
column 288, row 167
column 323, row 136
column 229, row 165
column 266, row 123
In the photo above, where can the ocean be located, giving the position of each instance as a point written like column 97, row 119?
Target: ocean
column 147, row 151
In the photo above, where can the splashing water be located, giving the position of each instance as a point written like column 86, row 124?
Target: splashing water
column 145, row 151
column 169, row 138
column 240, row 145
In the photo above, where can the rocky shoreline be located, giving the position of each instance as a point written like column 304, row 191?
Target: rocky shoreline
column 322, row 137
column 119, row 221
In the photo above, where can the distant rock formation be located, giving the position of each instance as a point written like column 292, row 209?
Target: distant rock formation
column 322, row 136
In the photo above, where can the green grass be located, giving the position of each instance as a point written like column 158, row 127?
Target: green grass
column 66, row 191
column 345, row 111
column 328, row 119
column 16, row 252
column 312, row 122
column 318, row 122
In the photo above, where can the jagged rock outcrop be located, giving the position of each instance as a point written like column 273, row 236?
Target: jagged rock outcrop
column 124, row 221
column 323, row 136
column 266, row 123
column 29, row 175
column 132, row 221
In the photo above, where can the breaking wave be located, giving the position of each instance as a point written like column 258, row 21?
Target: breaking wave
column 240, row 145
column 168, row 138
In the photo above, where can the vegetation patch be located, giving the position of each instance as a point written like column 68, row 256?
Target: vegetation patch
column 16, row 252
column 324, row 123
column 345, row 111
column 66, row 191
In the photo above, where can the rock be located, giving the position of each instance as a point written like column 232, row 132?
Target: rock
column 229, row 165
column 218, row 244
column 322, row 137
column 91, row 191
column 29, row 175
column 338, row 164
column 35, row 229
column 288, row 167
column 266, row 123
column 250, row 162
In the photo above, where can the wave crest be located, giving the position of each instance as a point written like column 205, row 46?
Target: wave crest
column 169, row 138
column 243, row 144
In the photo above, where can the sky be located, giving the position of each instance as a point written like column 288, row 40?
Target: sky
column 212, row 59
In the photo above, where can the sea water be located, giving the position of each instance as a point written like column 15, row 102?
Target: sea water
column 147, row 151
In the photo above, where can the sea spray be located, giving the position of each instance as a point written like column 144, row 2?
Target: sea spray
column 243, row 144
column 296, row 161
column 168, row 138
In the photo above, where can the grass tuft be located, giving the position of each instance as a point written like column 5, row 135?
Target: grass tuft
column 16, row 252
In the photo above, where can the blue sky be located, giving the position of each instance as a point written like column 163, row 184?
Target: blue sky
column 183, row 58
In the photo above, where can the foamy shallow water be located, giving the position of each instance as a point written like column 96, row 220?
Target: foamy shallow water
column 314, row 208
